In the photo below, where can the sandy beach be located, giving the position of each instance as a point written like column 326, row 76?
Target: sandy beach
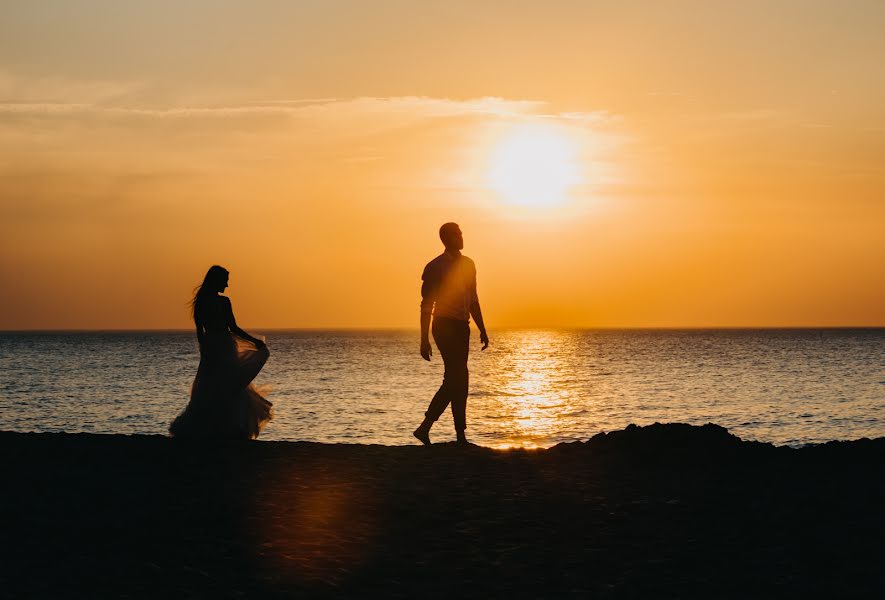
column 664, row 510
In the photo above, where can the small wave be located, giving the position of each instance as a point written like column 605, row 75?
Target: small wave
column 576, row 413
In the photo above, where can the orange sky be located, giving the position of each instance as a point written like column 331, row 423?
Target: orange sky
column 719, row 164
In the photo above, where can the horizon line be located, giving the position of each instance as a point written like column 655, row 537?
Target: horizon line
column 504, row 328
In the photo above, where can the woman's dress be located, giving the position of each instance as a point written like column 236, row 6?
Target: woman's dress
column 224, row 403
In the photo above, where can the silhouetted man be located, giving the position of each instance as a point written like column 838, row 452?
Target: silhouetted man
column 448, row 296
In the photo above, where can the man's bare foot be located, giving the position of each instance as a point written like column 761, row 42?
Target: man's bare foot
column 423, row 435
column 462, row 438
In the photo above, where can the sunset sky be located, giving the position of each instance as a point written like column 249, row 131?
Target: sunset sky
column 612, row 164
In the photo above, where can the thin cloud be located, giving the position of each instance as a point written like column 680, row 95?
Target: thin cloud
column 43, row 108
column 417, row 106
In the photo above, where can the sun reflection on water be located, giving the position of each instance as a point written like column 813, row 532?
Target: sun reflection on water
column 530, row 398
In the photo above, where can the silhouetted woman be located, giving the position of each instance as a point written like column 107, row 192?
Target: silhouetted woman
column 224, row 403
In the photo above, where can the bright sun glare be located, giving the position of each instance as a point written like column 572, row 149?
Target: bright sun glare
column 534, row 165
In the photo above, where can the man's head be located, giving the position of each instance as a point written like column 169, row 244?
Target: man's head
column 451, row 236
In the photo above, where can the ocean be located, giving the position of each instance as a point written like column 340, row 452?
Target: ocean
column 531, row 388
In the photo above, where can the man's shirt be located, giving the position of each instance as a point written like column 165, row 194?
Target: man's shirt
column 449, row 287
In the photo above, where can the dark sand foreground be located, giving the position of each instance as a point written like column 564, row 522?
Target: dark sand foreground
column 659, row 511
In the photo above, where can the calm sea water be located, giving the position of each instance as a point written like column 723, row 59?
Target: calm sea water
column 530, row 388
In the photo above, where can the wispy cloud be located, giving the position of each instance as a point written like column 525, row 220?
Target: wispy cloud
column 30, row 98
column 43, row 108
column 410, row 105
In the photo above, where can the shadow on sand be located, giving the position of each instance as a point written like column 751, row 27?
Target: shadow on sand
column 668, row 510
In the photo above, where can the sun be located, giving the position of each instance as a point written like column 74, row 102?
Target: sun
column 534, row 165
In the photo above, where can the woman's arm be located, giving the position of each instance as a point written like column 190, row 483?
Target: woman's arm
column 199, row 334
column 235, row 329
column 198, row 322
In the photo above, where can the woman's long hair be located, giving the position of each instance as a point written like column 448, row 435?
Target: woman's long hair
column 212, row 283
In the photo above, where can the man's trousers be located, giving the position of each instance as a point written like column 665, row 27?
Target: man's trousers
column 452, row 338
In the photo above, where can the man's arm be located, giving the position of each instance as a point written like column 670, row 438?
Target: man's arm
column 428, row 289
column 476, row 313
column 426, row 350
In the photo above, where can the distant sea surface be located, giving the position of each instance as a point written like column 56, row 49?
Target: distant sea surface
column 530, row 388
